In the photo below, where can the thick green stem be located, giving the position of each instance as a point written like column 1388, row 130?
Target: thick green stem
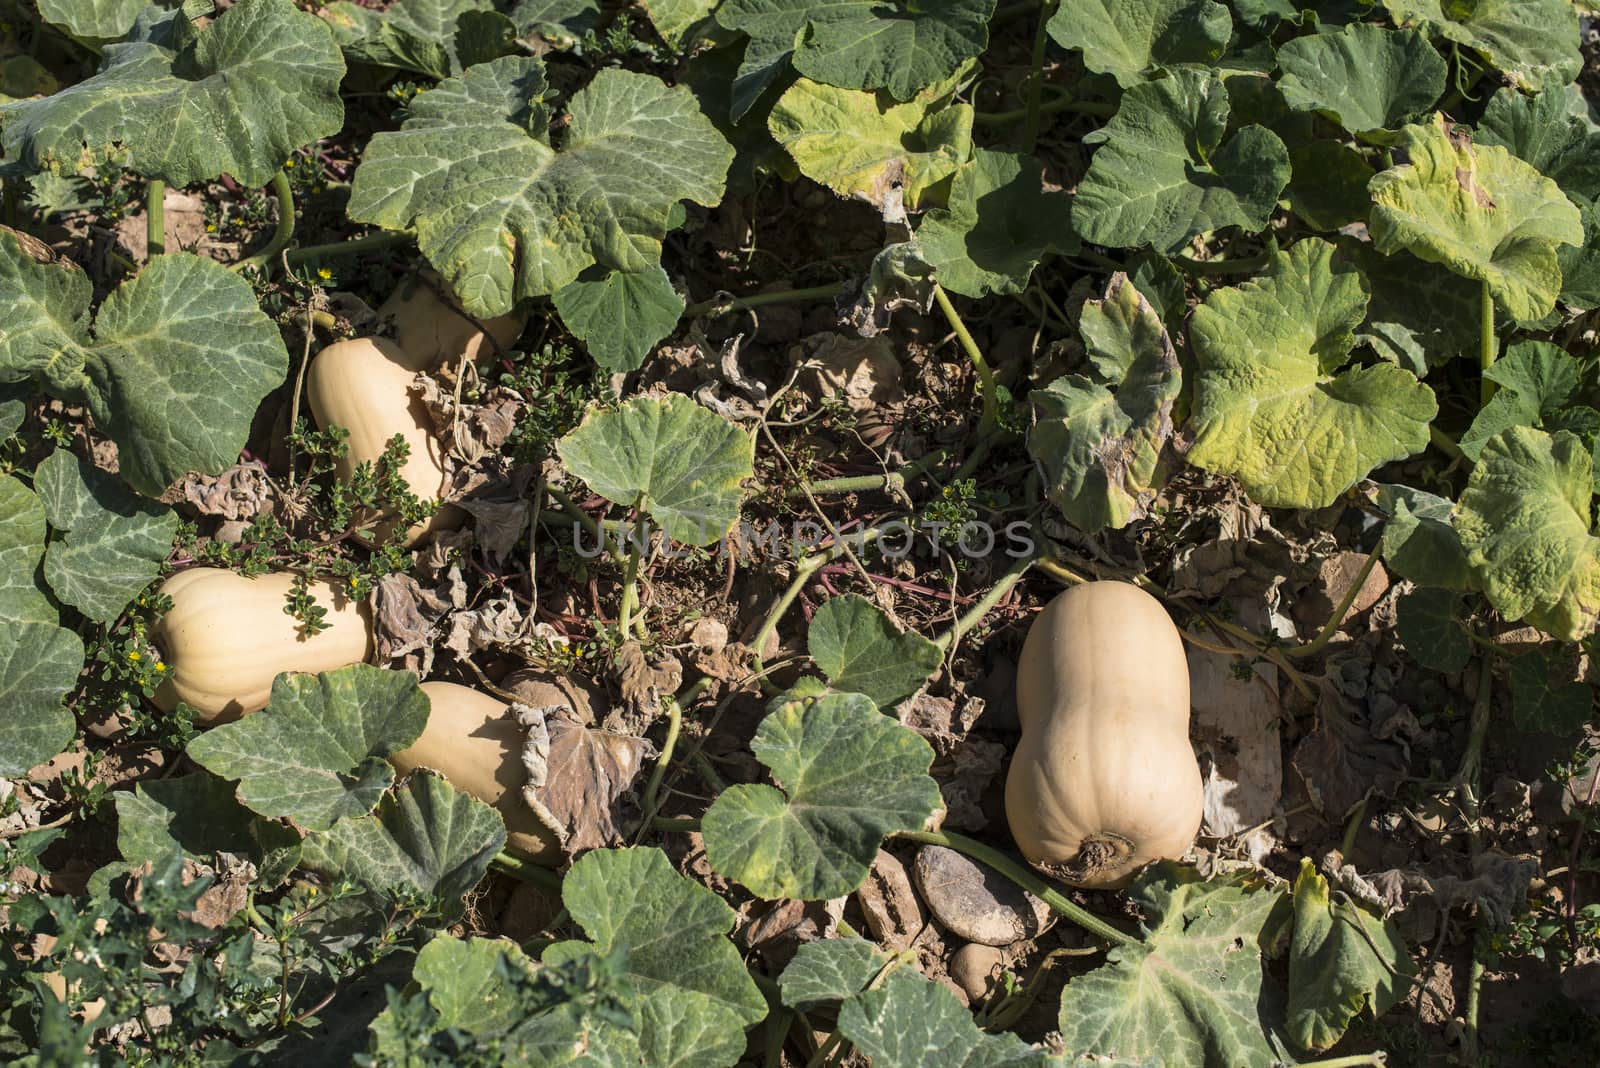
column 155, row 217
column 802, row 574
column 756, row 300
column 652, row 788
column 281, row 234
column 981, row 607
column 890, row 480
column 1025, row 879
column 1030, row 125
column 1242, row 265
column 1335, row 621
column 1446, row 444
column 1486, row 342
column 526, row 871
column 991, row 404
column 378, row 242
column 630, row 589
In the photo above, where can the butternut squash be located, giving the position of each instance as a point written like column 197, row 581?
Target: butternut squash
column 472, row 741
column 1104, row 780
column 430, row 331
column 364, row 385
column 227, row 637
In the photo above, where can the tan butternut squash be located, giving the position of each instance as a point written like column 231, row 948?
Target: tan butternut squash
column 472, row 741
column 227, row 637
column 1104, row 780
column 364, row 385
column 430, row 331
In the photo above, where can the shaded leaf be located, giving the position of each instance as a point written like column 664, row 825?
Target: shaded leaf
column 1420, row 541
column 114, row 541
column 1100, row 451
column 173, row 368
column 864, row 145
column 39, row 664
column 1524, row 519
column 424, row 838
column 1545, row 699
column 1164, row 172
column 1191, row 993
column 998, row 225
column 1329, row 185
column 198, row 815
column 502, row 214
column 673, row 18
column 434, row 38
column 620, row 316
column 1429, row 623
column 861, row 651
column 849, row 774
column 1535, row 42
column 1269, row 406
column 316, row 752
column 1541, row 130
column 1132, row 39
column 1421, row 314
column 684, row 462
column 186, row 105
column 1364, row 77
column 1479, row 211
column 1538, row 381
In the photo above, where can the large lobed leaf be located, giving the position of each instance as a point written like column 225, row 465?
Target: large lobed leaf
column 1100, row 449
column 316, row 752
column 502, row 214
column 1191, row 994
column 861, row 651
column 1366, row 78
column 1165, row 171
column 1132, row 40
column 22, row 537
column 1524, row 519
column 864, row 145
column 39, row 664
column 1269, row 406
column 173, row 368
column 997, row 225
column 114, row 541
column 1478, row 210
column 1535, row 42
column 186, row 105
column 1543, row 131
column 849, row 774
column 93, row 20
column 434, row 38
column 913, row 1022
column 683, row 461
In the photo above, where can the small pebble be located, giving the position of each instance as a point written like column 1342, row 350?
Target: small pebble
column 976, row 969
column 975, row 903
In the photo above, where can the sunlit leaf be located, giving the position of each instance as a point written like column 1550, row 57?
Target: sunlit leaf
column 1133, row 39
column 861, row 651
column 1535, row 42
column 1364, row 77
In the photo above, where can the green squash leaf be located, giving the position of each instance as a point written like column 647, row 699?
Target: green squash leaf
column 1535, row 42
column 1545, row 698
column 558, row 19
column 1421, row 315
column 1541, row 130
column 1524, row 519
column 861, row 651
column 1429, row 625
column 1269, row 406
column 1132, row 40
column 673, row 930
column 424, row 838
column 829, row 971
column 1343, row 960
column 998, row 224
column 236, row 97
column 1328, row 188
column 22, row 536
column 913, row 1022
column 1100, row 450
column 1580, row 264
column 173, row 368
column 1191, row 994
column 855, row 44
column 1479, row 211
column 674, row 18
column 503, row 215
column 683, row 461
column 198, row 815
column 865, row 145
column 1538, row 382
column 1420, row 541
column 39, row 664
column 433, row 38
column 1365, row 78
column 850, row 776
column 114, row 541
column 316, row 752
column 1164, row 172
column 93, row 20
column 620, row 316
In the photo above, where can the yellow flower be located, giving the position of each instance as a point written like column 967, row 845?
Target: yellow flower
column 161, row 665
column 289, row 163
column 134, row 656
column 325, row 274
